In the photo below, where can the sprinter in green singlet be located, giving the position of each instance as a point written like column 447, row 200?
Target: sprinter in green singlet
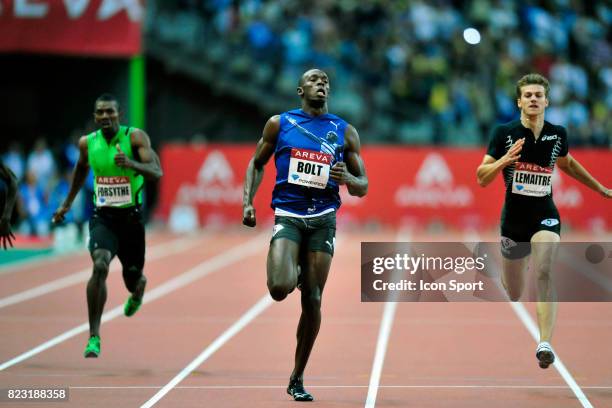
column 120, row 158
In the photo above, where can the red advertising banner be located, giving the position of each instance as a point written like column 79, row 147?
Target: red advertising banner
column 79, row 27
column 418, row 186
column 210, row 178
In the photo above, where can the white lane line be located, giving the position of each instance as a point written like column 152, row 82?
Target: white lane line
column 37, row 260
column 381, row 349
column 246, row 318
column 525, row 318
column 46, row 258
column 156, row 252
column 266, row 387
column 386, row 324
column 218, row 262
column 528, row 322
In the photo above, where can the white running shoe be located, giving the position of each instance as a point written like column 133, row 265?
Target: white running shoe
column 545, row 354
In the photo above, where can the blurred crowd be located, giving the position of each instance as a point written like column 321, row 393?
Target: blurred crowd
column 402, row 70
column 44, row 177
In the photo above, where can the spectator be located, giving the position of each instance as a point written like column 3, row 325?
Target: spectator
column 41, row 164
column 34, row 207
column 408, row 60
column 13, row 158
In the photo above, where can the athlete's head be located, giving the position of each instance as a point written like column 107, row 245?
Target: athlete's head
column 313, row 87
column 532, row 94
column 106, row 114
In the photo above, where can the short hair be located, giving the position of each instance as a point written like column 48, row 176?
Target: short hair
column 107, row 97
column 303, row 76
column 532, row 79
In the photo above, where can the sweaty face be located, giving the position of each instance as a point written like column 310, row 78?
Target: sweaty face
column 533, row 99
column 315, row 85
column 106, row 115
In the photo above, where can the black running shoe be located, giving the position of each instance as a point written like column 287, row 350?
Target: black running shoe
column 545, row 354
column 297, row 391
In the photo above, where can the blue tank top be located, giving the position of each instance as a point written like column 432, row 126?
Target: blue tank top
column 306, row 149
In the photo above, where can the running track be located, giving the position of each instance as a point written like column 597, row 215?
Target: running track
column 209, row 336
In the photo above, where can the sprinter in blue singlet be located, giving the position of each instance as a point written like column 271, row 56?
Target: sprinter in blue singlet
column 315, row 152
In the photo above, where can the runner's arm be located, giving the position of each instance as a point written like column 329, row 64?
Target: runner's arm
column 489, row 167
column 255, row 169
column 352, row 171
column 574, row 169
column 147, row 162
column 78, row 179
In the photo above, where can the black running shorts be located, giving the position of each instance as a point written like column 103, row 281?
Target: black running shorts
column 520, row 222
column 315, row 234
column 120, row 231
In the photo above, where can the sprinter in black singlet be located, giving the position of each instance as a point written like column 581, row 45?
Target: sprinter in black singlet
column 526, row 151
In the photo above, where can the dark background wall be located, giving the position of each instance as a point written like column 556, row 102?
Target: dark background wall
column 53, row 96
column 183, row 108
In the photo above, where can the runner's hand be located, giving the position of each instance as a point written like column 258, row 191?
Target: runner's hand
column 6, row 235
column 248, row 216
column 513, row 154
column 339, row 173
column 121, row 159
column 58, row 215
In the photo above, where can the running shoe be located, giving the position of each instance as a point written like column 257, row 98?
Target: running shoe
column 297, row 391
column 131, row 306
column 93, row 347
column 545, row 354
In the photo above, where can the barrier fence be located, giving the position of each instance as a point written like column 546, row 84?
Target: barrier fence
column 417, row 186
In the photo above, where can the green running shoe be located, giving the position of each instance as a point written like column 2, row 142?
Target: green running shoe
column 131, row 306
column 93, row 347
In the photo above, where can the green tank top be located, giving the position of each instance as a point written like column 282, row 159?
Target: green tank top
column 113, row 186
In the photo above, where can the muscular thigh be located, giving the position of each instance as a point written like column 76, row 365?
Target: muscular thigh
column 283, row 253
column 315, row 268
column 545, row 245
column 514, row 267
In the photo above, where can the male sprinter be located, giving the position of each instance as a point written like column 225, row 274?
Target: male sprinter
column 526, row 150
column 120, row 156
column 315, row 152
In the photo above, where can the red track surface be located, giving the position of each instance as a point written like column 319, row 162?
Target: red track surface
column 438, row 354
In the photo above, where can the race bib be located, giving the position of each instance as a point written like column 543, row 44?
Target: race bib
column 113, row 191
column 531, row 180
column 309, row 168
